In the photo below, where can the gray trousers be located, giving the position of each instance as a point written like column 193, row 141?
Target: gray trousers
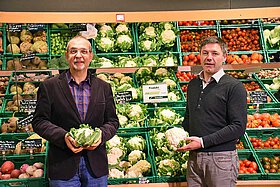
column 212, row 169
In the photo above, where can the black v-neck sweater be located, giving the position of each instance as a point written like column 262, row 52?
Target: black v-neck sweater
column 217, row 113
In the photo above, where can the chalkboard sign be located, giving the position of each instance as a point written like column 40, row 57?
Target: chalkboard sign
column 27, row 106
column 31, row 144
column 78, row 27
column 23, row 124
column 258, row 97
column 7, row 145
column 15, row 27
column 27, row 56
column 35, row 27
column 123, row 97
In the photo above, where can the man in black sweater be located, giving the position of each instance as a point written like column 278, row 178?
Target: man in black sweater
column 216, row 117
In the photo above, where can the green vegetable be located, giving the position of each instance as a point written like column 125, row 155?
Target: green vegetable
column 85, row 135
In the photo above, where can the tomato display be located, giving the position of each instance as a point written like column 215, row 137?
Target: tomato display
column 245, row 59
column 190, row 39
column 191, row 59
column 247, row 167
column 269, row 143
column 271, row 164
column 196, row 23
column 241, row 39
column 240, row 145
column 185, row 76
column 258, row 120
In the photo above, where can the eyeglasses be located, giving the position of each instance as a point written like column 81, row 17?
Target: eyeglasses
column 82, row 51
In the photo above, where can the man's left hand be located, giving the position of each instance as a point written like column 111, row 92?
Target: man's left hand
column 194, row 144
column 94, row 146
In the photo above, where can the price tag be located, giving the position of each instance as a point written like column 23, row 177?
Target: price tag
column 123, row 97
column 120, row 18
column 23, row 123
column 7, row 145
column 196, row 69
column 31, row 144
column 27, row 56
column 35, row 27
column 143, row 180
column 27, row 106
column 78, row 27
column 14, row 27
column 155, row 93
column 251, row 70
column 258, row 97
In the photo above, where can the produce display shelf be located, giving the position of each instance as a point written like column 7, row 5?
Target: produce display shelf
column 252, row 176
column 269, row 154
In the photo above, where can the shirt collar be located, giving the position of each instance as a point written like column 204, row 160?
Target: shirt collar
column 217, row 76
column 69, row 78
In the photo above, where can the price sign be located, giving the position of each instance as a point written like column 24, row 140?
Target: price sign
column 27, row 56
column 120, row 18
column 35, row 27
column 27, row 106
column 7, row 145
column 143, row 180
column 15, row 28
column 78, row 27
column 155, row 93
column 31, row 144
column 258, row 97
column 252, row 70
column 123, row 97
column 23, row 123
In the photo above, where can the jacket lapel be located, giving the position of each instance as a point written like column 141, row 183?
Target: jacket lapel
column 67, row 93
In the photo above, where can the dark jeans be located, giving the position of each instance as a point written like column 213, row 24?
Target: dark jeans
column 212, row 169
column 82, row 178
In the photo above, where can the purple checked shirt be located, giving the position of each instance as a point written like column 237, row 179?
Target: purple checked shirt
column 81, row 94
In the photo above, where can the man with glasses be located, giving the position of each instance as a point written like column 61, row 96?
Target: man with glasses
column 76, row 97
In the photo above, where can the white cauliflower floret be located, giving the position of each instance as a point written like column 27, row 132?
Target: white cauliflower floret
column 106, row 41
column 175, row 135
column 161, row 72
column 172, row 96
column 125, row 79
column 104, row 28
column 169, row 61
column 114, row 142
column 168, row 36
column 130, row 63
column 122, row 28
column 170, row 83
column 134, row 93
column 118, row 152
column 135, row 110
column 123, row 120
column 113, row 160
column 115, row 174
column 124, row 38
column 150, row 31
column 135, row 156
column 118, row 75
column 147, row 44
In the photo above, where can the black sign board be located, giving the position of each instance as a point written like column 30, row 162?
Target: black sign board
column 27, row 56
column 6, row 145
column 78, row 27
column 31, row 144
column 27, row 106
column 15, row 27
column 258, row 97
column 123, row 97
column 35, row 27
column 22, row 123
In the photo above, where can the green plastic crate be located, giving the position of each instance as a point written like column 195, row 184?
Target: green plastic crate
column 252, row 176
column 147, row 150
column 174, row 49
column 269, row 154
column 264, row 134
column 30, row 182
column 246, row 143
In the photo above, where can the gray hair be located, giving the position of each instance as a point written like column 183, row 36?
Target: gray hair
column 217, row 40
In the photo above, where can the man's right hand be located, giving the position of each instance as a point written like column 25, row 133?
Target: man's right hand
column 70, row 142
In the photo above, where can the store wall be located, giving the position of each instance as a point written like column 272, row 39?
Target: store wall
column 129, row 5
